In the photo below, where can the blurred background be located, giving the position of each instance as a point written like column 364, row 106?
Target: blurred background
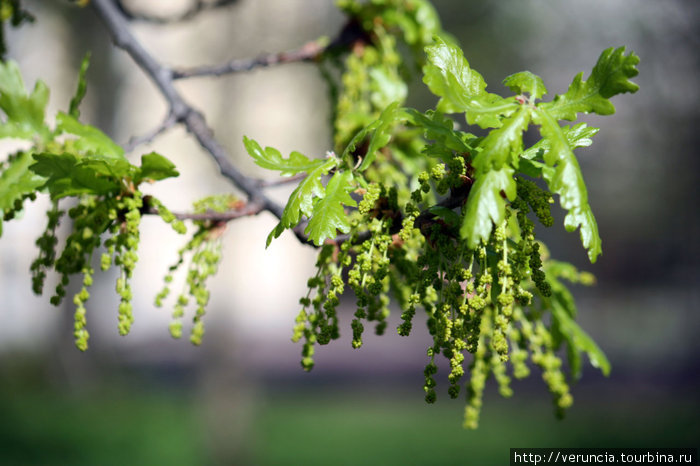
column 242, row 397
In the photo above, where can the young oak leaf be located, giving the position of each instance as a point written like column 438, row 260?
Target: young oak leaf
column 17, row 182
column 462, row 89
column 577, row 136
column 379, row 132
column 301, row 200
column 503, row 145
column 610, row 76
column 328, row 213
column 525, row 81
column 272, row 159
column 440, row 129
column 579, row 340
column 486, row 205
column 74, row 110
column 25, row 112
column 567, row 181
column 66, row 176
column 155, row 167
column 90, row 139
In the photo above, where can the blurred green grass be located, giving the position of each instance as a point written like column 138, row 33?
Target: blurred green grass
column 318, row 426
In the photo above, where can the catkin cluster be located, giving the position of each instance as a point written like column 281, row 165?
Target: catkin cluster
column 482, row 305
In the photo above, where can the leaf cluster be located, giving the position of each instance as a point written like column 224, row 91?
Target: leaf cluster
column 443, row 219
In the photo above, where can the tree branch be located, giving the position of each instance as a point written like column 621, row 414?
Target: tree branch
column 246, row 210
column 311, row 51
column 117, row 26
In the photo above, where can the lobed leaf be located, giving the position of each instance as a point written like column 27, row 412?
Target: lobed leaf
column 301, row 200
column 525, row 81
column 486, row 205
column 386, row 86
column 462, row 89
column 74, row 110
column 440, row 129
column 155, row 167
column 17, row 181
column 567, row 181
column 272, row 159
column 90, row 139
column 328, row 213
column 379, row 133
column 578, row 339
column 578, row 135
column 66, row 176
column 25, row 112
column 610, row 76
column 503, row 145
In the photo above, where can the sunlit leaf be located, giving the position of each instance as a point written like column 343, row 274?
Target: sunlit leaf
column 25, row 112
column 610, row 76
column 567, row 181
column 486, row 204
column 525, row 81
column 66, row 177
column 462, row 89
column 328, row 214
column 272, row 159
column 90, row 139
column 155, row 167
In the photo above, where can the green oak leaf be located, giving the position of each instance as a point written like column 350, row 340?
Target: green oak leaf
column 90, row 139
column 328, row 213
column 525, row 81
column 579, row 135
column 81, row 89
column 386, row 87
column 461, row 89
column 379, row 132
column 578, row 339
column 567, row 181
column 65, row 176
column 116, row 169
column 503, row 145
column 155, row 167
column 610, row 76
column 486, row 205
column 272, row 159
column 301, row 200
column 440, row 129
column 17, row 182
column 25, row 112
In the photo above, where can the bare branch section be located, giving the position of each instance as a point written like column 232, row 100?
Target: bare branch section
column 312, row 51
column 117, row 26
column 309, row 52
column 195, row 8
column 245, row 210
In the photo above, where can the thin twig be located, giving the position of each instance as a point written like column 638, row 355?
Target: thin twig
column 310, row 51
column 247, row 210
column 136, row 141
column 313, row 51
column 195, row 8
